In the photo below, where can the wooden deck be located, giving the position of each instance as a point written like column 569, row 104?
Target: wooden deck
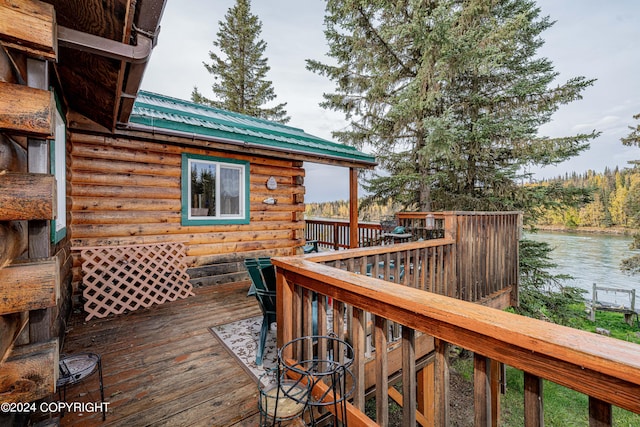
column 162, row 365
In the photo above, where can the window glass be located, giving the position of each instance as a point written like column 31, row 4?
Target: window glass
column 216, row 190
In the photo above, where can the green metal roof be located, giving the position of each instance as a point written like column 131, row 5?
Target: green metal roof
column 163, row 112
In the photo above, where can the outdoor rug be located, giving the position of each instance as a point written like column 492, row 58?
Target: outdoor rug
column 241, row 339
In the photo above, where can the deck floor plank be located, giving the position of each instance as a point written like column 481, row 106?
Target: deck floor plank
column 162, row 365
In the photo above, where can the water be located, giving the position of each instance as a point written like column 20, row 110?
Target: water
column 592, row 258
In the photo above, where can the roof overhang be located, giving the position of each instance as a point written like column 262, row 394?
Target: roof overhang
column 103, row 49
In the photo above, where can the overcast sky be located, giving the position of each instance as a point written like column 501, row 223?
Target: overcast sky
column 592, row 38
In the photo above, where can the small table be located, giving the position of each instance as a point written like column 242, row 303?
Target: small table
column 75, row 368
column 396, row 237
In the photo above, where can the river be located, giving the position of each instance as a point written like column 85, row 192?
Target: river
column 592, row 258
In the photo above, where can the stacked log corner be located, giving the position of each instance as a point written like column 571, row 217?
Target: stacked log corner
column 28, row 368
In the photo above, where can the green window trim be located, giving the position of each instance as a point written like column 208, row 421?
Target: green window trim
column 58, row 168
column 242, row 217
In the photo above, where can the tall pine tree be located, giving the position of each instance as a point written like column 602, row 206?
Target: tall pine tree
column 632, row 264
column 240, row 73
column 449, row 94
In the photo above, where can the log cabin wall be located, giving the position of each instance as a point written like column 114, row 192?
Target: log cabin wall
column 126, row 190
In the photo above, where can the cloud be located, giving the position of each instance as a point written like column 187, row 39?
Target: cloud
column 591, row 38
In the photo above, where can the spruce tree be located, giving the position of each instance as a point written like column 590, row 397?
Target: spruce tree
column 240, row 70
column 632, row 204
column 449, row 95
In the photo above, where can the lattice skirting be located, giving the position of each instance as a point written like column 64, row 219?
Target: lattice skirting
column 124, row 278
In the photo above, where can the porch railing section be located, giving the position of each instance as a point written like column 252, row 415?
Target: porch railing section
column 605, row 369
column 334, row 233
column 486, row 244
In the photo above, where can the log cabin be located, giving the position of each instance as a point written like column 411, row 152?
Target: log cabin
column 88, row 162
column 92, row 168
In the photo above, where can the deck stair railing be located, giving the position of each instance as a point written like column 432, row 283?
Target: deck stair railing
column 363, row 304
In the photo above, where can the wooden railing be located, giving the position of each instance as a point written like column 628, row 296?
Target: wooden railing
column 605, row 369
column 334, row 233
column 486, row 244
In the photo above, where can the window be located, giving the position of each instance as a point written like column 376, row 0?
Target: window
column 214, row 190
column 58, row 169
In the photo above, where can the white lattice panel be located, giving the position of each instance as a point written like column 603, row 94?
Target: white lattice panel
column 125, row 278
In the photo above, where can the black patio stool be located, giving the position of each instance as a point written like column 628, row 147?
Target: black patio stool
column 76, row 367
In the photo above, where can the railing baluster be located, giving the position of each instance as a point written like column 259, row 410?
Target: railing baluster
column 481, row 390
column 408, row 376
column 322, row 314
column 426, row 397
column 381, row 332
column 496, row 389
column 338, row 322
column 533, row 406
column 599, row 413
column 358, row 341
column 307, row 312
column 441, row 365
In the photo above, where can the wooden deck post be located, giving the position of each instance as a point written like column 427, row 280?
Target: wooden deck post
column 284, row 312
column 353, row 208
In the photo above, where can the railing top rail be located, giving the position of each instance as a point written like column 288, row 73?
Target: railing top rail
column 599, row 366
column 377, row 250
column 341, row 221
column 442, row 214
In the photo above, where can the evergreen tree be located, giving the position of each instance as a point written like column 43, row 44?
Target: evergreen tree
column 240, row 73
column 449, row 95
column 632, row 264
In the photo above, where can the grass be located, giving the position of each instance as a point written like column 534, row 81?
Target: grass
column 562, row 406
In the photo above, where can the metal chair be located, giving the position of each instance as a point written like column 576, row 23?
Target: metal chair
column 263, row 282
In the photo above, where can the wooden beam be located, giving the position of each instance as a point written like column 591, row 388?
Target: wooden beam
column 29, row 26
column 13, row 158
column 27, row 196
column 26, row 110
column 13, row 235
column 30, row 373
column 29, row 285
column 10, row 327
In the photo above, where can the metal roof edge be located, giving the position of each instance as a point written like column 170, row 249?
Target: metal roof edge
column 141, row 127
column 277, row 136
